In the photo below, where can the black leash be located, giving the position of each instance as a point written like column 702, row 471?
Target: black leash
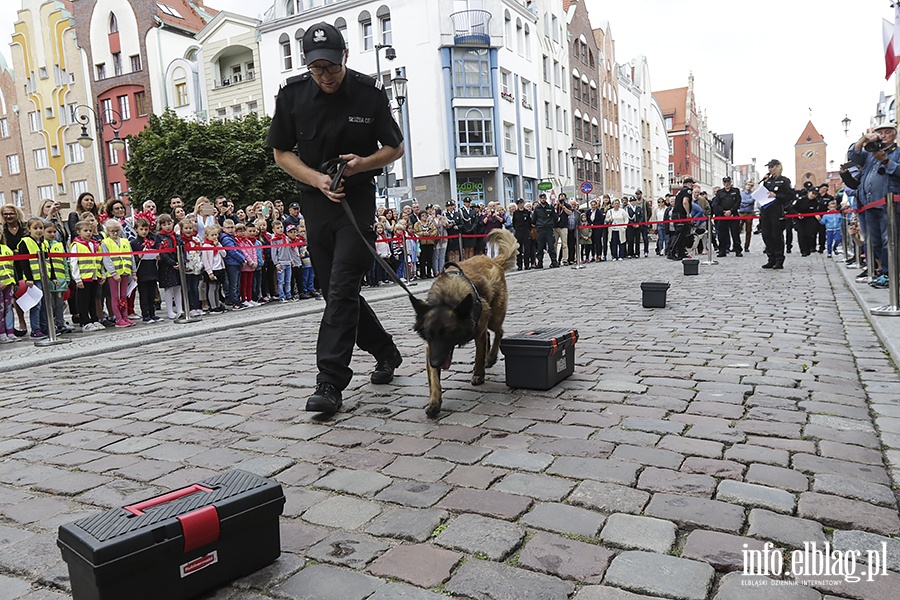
column 335, row 168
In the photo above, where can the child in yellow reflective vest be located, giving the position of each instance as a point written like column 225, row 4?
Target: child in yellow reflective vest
column 57, row 275
column 28, row 270
column 7, row 293
column 87, row 275
column 118, row 269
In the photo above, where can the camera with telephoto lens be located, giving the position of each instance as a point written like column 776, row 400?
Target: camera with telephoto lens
column 874, row 146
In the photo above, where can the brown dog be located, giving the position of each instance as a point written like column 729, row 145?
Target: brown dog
column 464, row 303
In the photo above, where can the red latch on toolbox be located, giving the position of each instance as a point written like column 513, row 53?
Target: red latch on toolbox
column 139, row 508
column 200, row 527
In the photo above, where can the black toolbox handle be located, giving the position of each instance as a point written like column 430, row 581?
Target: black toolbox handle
column 138, row 509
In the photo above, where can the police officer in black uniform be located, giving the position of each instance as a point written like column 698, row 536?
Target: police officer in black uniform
column 771, row 216
column 326, row 113
column 824, row 199
column 726, row 203
column 681, row 209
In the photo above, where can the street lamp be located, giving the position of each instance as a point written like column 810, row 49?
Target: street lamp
column 117, row 144
column 598, row 148
column 846, row 123
column 572, row 150
column 390, row 54
column 399, row 83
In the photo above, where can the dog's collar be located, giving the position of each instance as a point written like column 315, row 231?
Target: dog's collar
column 476, row 309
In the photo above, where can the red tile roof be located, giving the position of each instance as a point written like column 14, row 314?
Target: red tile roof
column 191, row 21
column 810, row 132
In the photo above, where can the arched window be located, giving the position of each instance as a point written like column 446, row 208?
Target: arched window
column 287, row 60
column 384, row 19
column 113, row 23
column 365, row 30
column 298, row 35
column 341, row 25
column 289, row 7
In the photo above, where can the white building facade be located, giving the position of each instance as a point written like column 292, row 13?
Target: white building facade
column 630, row 153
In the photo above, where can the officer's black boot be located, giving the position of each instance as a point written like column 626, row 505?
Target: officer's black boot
column 384, row 368
column 326, row 399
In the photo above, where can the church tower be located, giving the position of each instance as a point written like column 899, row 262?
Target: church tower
column 809, row 157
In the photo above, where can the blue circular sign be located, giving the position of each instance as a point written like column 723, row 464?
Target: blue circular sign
column 586, row 187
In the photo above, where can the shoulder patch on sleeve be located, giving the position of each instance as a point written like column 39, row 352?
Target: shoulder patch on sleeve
column 365, row 79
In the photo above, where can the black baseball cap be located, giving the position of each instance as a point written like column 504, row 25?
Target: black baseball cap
column 467, row 200
column 773, row 163
column 726, row 178
column 689, row 180
column 323, row 42
column 542, row 196
column 638, row 192
column 293, row 205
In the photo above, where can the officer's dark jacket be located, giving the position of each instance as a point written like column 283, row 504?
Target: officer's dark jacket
column 352, row 120
column 726, row 200
column 781, row 187
column 544, row 216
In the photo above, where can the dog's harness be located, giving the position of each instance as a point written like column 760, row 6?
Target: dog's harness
column 476, row 308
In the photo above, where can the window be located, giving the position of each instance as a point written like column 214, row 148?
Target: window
column 79, row 187
column 387, row 35
column 471, row 73
column 577, row 129
column 287, row 61
column 69, row 114
column 40, row 159
column 507, row 31
column 556, row 72
column 526, row 93
column 61, row 187
column 546, row 69
column 562, row 79
column 474, row 130
column 341, row 25
column 670, row 122
column 509, row 143
column 117, row 189
column 550, row 161
column 169, row 10
column 509, row 189
column 2, row 198
column 222, row 114
column 504, row 82
column 74, row 153
column 554, row 28
column 252, row 107
column 124, row 108
column 117, row 63
column 526, row 142
column 12, row 162
column 135, row 63
column 565, row 121
column 140, row 103
column 34, row 121
column 181, row 95
column 4, row 128
column 107, row 110
column 101, row 71
column 112, row 153
column 113, row 23
column 576, row 89
column 236, row 111
column 18, row 198
column 561, row 163
column 473, row 187
column 367, row 35
column 45, row 192
column 548, row 116
column 558, row 118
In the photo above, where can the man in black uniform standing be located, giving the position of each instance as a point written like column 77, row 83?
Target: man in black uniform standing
column 681, row 209
column 521, row 221
column 334, row 112
column 726, row 204
column 771, row 216
column 824, row 200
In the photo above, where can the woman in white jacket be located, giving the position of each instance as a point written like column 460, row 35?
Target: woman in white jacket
column 618, row 217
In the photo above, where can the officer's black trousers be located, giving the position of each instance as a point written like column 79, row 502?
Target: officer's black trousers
column 340, row 259
column 729, row 234
column 771, row 224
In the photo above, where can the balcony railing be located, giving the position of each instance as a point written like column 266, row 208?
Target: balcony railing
column 236, row 79
column 471, row 28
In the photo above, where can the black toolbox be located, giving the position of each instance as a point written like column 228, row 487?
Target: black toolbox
column 539, row 359
column 177, row 545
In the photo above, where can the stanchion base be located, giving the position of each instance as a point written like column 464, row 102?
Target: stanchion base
column 578, row 267
column 183, row 320
column 710, row 262
column 886, row 311
column 49, row 342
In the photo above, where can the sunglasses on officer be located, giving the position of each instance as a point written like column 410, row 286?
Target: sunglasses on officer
column 330, row 69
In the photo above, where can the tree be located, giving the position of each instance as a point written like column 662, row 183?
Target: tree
column 173, row 156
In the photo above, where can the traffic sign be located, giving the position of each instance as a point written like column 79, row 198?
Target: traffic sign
column 586, row 187
column 545, row 185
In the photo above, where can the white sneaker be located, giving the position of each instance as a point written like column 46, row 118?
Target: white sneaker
column 196, row 313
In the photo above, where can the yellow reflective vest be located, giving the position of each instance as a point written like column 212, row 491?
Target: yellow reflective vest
column 56, row 265
column 33, row 248
column 122, row 264
column 84, row 268
column 7, row 268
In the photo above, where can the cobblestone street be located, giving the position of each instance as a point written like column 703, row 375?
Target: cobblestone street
column 758, row 407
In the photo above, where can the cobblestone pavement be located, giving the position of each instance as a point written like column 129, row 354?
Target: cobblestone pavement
column 757, row 407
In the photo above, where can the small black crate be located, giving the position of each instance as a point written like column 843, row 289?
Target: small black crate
column 539, row 359
column 177, row 545
column 654, row 294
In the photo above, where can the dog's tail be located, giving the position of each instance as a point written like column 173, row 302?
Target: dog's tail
column 505, row 248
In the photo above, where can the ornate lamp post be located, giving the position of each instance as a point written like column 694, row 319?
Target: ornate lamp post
column 112, row 119
column 846, row 123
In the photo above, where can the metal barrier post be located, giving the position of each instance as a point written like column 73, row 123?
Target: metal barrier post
column 709, row 245
column 51, row 340
column 845, row 247
column 185, row 302
column 870, row 258
column 406, row 262
column 459, row 239
column 893, row 308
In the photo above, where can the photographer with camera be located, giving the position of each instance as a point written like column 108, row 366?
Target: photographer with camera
column 877, row 153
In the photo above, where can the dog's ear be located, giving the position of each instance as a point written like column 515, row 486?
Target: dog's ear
column 463, row 310
column 420, row 307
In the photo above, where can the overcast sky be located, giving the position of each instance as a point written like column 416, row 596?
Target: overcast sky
column 760, row 68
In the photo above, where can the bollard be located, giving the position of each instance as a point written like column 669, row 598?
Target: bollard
column 870, row 257
column 51, row 339
column 186, row 316
column 709, row 245
column 893, row 308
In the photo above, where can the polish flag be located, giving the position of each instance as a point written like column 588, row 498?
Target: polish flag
column 891, row 60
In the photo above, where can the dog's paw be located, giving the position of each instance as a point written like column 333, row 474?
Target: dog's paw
column 477, row 379
column 433, row 410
